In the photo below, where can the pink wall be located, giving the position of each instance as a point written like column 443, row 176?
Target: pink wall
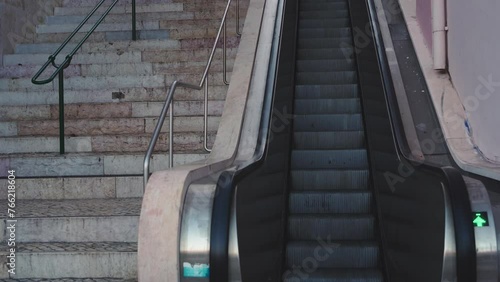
column 473, row 55
column 424, row 17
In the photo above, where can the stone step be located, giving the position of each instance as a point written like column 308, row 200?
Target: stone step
column 185, row 142
column 67, row 28
column 111, row 95
column 153, row 16
column 82, row 220
column 55, row 165
column 122, row 9
column 79, row 58
column 110, row 82
column 111, row 126
column 215, row 8
column 79, row 260
column 74, row 188
column 118, row 55
column 108, row 110
column 110, row 36
column 99, row 70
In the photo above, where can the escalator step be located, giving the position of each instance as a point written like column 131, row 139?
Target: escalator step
column 342, row 53
column 327, row 122
column 327, row 106
column 307, row 180
column 304, row 6
column 334, row 275
column 329, row 159
column 315, row 66
column 340, row 202
column 337, row 14
column 337, row 254
column 325, row 23
column 326, row 91
column 326, row 78
column 324, row 32
column 343, row 227
column 329, row 140
column 322, row 43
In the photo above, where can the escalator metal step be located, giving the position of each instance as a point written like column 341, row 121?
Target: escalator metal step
column 339, row 227
column 337, row 14
column 304, row 6
column 327, row 106
column 323, row 202
column 326, row 91
column 321, row 43
column 329, row 140
column 324, row 32
column 327, row 122
column 326, row 78
column 337, row 254
column 324, row 23
column 329, row 159
column 334, row 275
column 307, row 180
column 315, row 66
column 342, row 53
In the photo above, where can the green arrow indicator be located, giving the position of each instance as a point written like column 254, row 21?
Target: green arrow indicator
column 480, row 219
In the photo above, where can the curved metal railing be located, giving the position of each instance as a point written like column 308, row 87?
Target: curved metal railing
column 168, row 105
column 67, row 61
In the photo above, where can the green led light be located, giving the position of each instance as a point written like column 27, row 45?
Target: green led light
column 480, row 219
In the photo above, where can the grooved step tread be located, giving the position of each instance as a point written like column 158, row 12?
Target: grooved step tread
column 77, row 247
column 341, row 254
column 75, row 208
column 336, row 275
column 326, row 202
column 338, row 227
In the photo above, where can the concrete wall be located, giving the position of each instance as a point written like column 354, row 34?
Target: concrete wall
column 424, row 17
column 474, row 65
column 18, row 20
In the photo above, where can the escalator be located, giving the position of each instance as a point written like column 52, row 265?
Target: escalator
column 328, row 196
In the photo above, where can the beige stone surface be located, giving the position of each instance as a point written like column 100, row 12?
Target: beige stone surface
column 93, row 111
column 83, row 127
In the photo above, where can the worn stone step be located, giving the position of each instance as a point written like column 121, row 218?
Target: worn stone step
column 122, row 9
column 64, row 28
column 110, row 164
column 108, row 110
column 99, row 70
column 109, row 36
column 82, row 220
column 78, row 260
column 184, row 142
column 73, row 188
column 110, row 95
column 109, row 126
column 79, row 58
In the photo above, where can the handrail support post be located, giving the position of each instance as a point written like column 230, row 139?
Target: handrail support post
column 61, row 112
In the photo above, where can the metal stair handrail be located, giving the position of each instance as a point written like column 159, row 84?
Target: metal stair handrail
column 168, row 105
column 67, row 61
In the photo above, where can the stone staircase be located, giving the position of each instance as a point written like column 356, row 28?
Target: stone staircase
column 78, row 213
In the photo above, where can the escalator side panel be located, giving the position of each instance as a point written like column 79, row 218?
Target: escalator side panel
column 412, row 245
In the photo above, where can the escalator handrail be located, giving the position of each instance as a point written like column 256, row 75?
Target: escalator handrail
column 453, row 180
column 226, row 184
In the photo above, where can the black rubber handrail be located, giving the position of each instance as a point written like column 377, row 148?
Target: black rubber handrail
column 59, row 69
column 454, row 182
